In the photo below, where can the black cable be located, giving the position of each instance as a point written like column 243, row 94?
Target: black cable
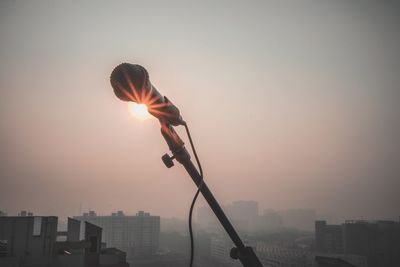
column 194, row 151
column 195, row 196
column 190, row 227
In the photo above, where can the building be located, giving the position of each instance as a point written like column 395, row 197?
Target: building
column 243, row 210
column 220, row 251
column 24, row 213
column 377, row 241
column 137, row 235
column 328, row 259
column 280, row 256
column 269, row 221
column 325, row 261
column 27, row 241
column 31, row 241
column 206, row 218
column 328, row 238
column 245, row 217
column 242, row 214
column 302, row 219
column 277, row 256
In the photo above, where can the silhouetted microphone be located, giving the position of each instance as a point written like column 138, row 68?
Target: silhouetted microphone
column 131, row 83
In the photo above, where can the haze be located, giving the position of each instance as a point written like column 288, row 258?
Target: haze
column 293, row 104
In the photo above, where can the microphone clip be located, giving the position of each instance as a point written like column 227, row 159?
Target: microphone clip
column 175, row 144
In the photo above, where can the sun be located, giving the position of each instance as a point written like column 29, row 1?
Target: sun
column 138, row 111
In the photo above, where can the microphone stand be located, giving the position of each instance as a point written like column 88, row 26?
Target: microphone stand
column 245, row 254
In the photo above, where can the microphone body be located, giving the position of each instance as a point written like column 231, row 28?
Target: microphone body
column 131, row 82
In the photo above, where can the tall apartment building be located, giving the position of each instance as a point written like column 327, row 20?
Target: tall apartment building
column 137, row 235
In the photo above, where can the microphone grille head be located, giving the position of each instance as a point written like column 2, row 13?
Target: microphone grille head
column 130, row 82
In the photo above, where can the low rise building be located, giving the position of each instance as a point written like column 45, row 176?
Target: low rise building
column 220, row 251
column 276, row 256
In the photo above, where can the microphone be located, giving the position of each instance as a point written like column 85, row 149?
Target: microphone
column 131, row 83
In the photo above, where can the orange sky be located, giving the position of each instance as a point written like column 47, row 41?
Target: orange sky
column 294, row 105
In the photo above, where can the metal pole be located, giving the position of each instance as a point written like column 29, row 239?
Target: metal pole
column 245, row 254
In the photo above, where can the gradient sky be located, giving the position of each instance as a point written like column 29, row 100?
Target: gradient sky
column 294, row 104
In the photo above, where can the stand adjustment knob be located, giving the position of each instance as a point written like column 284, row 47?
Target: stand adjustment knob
column 234, row 253
column 168, row 160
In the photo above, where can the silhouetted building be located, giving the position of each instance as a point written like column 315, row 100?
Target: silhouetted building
column 137, row 235
column 27, row 241
column 31, row 242
column 378, row 241
column 87, row 252
column 72, row 232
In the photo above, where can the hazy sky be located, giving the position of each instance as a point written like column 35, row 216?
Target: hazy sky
column 290, row 103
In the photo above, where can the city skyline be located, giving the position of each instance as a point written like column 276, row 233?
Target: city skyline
column 140, row 240
column 203, row 212
column 290, row 104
